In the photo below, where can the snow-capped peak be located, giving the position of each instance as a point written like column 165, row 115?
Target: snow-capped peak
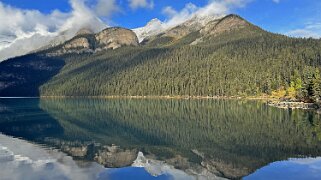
column 153, row 27
column 204, row 20
column 154, row 22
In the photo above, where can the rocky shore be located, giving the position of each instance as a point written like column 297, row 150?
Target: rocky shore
column 293, row 105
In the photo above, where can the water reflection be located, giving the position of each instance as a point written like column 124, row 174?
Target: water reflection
column 227, row 138
column 294, row 169
column 22, row 160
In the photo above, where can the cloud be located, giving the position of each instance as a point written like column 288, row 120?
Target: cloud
column 169, row 11
column 20, row 159
column 311, row 30
column 213, row 8
column 134, row 4
column 81, row 17
column 177, row 17
column 105, row 8
column 22, row 31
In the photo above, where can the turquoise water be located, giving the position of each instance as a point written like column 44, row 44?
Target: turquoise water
column 168, row 139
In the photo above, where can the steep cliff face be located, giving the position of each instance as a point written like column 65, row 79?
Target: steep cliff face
column 84, row 31
column 192, row 25
column 228, row 23
column 87, row 42
column 113, row 38
column 78, row 43
column 169, row 33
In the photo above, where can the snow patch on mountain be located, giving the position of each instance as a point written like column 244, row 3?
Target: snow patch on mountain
column 157, row 168
column 155, row 26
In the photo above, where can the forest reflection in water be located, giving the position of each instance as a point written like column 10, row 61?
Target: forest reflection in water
column 227, row 138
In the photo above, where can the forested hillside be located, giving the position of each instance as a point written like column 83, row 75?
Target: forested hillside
column 242, row 60
column 22, row 76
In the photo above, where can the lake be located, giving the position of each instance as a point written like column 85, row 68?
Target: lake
column 156, row 139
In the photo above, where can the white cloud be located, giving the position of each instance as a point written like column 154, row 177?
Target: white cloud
column 20, row 159
column 106, row 7
column 81, row 17
column 134, row 4
column 311, row 30
column 169, row 11
column 177, row 17
column 213, row 8
column 303, row 33
column 22, row 31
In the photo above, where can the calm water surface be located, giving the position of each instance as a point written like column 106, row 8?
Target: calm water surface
column 156, row 139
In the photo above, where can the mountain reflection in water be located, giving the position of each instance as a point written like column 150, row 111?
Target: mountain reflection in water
column 204, row 138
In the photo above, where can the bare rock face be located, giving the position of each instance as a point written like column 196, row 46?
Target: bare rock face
column 226, row 24
column 113, row 38
column 114, row 157
column 87, row 42
column 192, row 25
column 80, row 151
column 77, row 43
column 217, row 27
column 84, row 31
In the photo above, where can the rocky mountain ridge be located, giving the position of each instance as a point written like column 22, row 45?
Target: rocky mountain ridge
column 86, row 41
column 156, row 27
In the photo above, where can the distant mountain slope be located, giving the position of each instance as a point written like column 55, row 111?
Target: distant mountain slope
column 223, row 57
column 22, row 76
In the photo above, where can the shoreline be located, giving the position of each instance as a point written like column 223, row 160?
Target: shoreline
column 271, row 101
column 165, row 97
column 294, row 105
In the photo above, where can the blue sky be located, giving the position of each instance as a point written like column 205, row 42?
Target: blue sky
column 27, row 25
column 281, row 16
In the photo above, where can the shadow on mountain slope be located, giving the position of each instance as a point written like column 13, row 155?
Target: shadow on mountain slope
column 22, row 76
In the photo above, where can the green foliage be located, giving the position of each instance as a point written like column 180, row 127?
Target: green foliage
column 235, row 65
column 311, row 84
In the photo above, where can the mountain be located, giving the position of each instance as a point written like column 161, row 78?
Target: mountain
column 203, row 56
column 64, row 37
column 23, row 75
column 154, row 27
column 157, row 27
column 87, row 42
